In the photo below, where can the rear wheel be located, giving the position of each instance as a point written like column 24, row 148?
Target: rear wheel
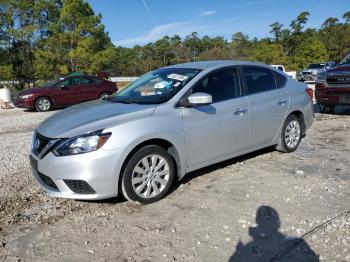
column 43, row 104
column 290, row 135
column 104, row 95
column 148, row 175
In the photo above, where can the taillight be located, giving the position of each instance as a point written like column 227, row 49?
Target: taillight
column 310, row 93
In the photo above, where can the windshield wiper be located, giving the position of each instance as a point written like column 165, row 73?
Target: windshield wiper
column 126, row 101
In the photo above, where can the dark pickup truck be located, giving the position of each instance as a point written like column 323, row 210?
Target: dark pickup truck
column 333, row 86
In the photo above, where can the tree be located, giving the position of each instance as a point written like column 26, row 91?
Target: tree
column 270, row 53
column 346, row 16
column 331, row 21
column 276, row 31
column 298, row 24
column 311, row 50
column 241, row 45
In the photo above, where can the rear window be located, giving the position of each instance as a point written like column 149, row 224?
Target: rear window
column 258, row 79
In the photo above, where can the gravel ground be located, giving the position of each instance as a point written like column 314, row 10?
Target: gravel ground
column 252, row 208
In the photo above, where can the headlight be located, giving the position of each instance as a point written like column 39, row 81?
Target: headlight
column 26, row 96
column 82, row 144
column 321, row 78
column 314, row 72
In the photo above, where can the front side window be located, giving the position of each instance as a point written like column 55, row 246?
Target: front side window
column 345, row 60
column 221, row 85
column 155, row 87
column 258, row 79
column 73, row 81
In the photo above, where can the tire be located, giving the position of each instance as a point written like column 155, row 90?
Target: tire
column 103, row 95
column 291, row 135
column 139, row 184
column 43, row 104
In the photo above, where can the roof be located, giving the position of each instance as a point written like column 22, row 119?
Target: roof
column 209, row 64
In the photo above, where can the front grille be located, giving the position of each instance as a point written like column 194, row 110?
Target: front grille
column 47, row 181
column 338, row 80
column 306, row 73
column 79, row 186
column 39, row 143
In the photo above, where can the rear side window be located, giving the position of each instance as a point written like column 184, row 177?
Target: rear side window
column 87, row 81
column 280, row 80
column 221, row 85
column 258, row 79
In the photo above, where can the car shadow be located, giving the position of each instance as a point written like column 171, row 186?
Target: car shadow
column 269, row 244
column 205, row 170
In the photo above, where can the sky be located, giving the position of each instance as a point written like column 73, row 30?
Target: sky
column 138, row 22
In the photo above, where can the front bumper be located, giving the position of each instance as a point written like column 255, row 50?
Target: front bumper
column 24, row 103
column 87, row 176
column 307, row 78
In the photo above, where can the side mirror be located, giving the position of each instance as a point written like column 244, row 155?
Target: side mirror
column 200, row 99
column 331, row 64
column 62, row 86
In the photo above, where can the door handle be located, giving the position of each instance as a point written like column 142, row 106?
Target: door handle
column 282, row 102
column 240, row 112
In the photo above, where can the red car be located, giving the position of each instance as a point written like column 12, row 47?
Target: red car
column 65, row 92
column 333, row 86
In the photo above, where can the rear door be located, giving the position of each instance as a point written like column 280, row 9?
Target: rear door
column 268, row 103
column 221, row 128
column 89, row 88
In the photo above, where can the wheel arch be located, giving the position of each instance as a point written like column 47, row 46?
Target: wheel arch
column 301, row 117
column 165, row 144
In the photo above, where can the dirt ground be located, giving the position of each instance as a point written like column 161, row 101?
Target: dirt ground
column 252, row 208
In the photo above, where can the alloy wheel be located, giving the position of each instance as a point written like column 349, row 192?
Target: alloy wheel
column 44, row 104
column 150, row 176
column 292, row 134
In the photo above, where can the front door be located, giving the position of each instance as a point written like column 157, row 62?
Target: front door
column 221, row 128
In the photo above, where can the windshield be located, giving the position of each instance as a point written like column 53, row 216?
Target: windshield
column 51, row 83
column 345, row 60
column 315, row 66
column 155, row 87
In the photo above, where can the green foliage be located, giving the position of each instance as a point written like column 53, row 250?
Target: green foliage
column 270, row 53
column 311, row 50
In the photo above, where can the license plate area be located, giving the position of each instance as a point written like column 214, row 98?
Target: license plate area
column 33, row 162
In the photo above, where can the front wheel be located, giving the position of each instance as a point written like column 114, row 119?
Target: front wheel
column 148, row 175
column 43, row 104
column 290, row 135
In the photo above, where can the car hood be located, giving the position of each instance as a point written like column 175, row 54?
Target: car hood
column 313, row 70
column 31, row 91
column 91, row 116
column 339, row 68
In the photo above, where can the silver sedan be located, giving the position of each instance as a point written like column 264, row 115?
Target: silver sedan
column 165, row 124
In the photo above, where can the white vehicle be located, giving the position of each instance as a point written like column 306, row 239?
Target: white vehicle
column 292, row 74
